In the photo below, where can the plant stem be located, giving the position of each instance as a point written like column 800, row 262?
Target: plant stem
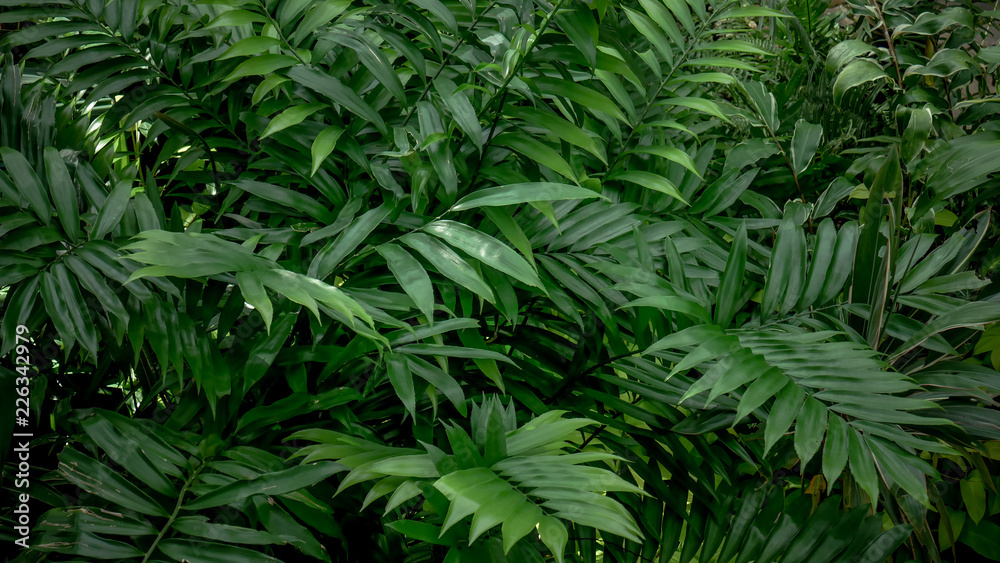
column 888, row 40
column 177, row 509
column 502, row 91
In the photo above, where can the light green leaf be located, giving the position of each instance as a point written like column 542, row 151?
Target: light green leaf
column 513, row 194
column 449, row 264
column 289, row 117
column 261, row 65
column 323, row 145
column 486, row 249
column 862, row 465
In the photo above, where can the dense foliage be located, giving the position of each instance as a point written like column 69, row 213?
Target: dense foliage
column 517, row 280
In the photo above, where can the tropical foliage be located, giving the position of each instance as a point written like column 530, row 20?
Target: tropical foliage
column 519, row 280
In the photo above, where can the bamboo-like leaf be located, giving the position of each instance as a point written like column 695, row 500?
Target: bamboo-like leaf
column 96, row 478
column 30, row 187
column 449, row 264
column 411, row 277
column 486, row 249
column 529, row 192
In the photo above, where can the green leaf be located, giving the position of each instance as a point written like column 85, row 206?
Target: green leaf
column 452, row 352
column 835, row 451
column 190, row 550
column 289, row 117
column 855, row 74
column 974, row 495
column 461, row 110
column 537, row 151
column 254, row 293
column 486, row 249
column 336, row 251
column 402, row 381
column 513, row 194
column 554, row 535
column 586, row 97
column 68, row 310
column 323, row 145
column 805, row 140
column 728, row 300
column 822, row 260
column 439, row 379
column 650, row 181
column 558, row 127
column 95, row 284
column 844, row 52
column 272, row 484
column 97, row 478
column 199, row 526
column 375, row 61
column 670, row 153
column 411, row 277
column 63, row 194
column 88, row 520
column 112, row 211
column 732, row 46
column 763, row 104
column 84, row 544
column 449, row 264
column 232, row 18
column 287, row 197
column 127, row 453
column 760, row 391
column 261, row 65
column 672, row 303
column 27, row 182
column 890, row 462
column 700, row 104
column 338, row 93
column 883, row 546
column 786, row 274
column 249, row 46
column 809, row 429
column 442, row 13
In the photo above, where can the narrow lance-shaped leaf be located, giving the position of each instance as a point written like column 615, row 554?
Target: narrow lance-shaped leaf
column 486, row 249
column 63, row 193
column 411, row 277
column 513, row 194
column 786, row 408
column 731, row 286
column 449, row 264
column 31, row 188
